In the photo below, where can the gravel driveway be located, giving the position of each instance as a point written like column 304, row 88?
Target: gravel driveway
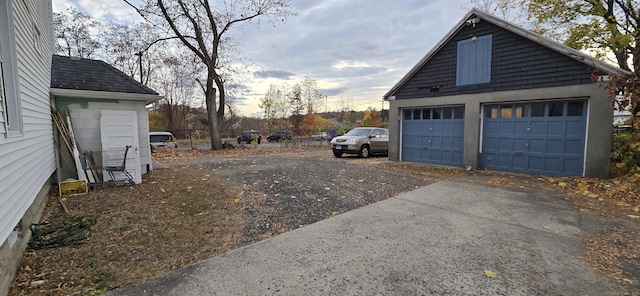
column 285, row 191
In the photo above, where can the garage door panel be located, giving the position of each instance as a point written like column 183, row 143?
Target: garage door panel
column 520, row 162
column 553, row 164
column 575, row 128
column 437, row 128
column 447, row 128
column 506, row 128
column 573, row 147
column 436, row 142
column 549, row 141
column 504, row 161
column 520, row 145
column 447, row 142
column 521, row 128
column 536, row 145
column 490, row 144
column 555, row 146
column 536, row 163
column 538, row 128
column 440, row 135
column 556, row 128
column 572, row 164
column 505, row 144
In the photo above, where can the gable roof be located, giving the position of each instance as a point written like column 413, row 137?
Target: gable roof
column 93, row 75
column 544, row 41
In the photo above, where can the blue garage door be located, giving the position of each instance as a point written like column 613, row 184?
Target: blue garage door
column 540, row 138
column 433, row 135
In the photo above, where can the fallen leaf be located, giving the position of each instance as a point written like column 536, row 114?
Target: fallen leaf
column 237, row 200
column 634, row 216
column 489, row 274
column 636, row 209
column 562, row 184
column 334, row 213
column 163, row 190
column 623, row 204
column 583, row 186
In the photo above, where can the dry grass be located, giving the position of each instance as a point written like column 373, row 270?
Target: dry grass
column 173, row 219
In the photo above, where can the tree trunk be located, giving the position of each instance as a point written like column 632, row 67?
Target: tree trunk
column 214, row 133
column 220, row 111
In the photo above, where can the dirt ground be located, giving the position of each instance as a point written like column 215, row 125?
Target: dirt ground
column 204, row 203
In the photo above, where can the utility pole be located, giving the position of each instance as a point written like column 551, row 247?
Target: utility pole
column 139, row 54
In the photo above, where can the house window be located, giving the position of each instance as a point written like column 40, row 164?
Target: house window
column 407, row 114
column 474, row 61
column 506, row 111
column 9, row 71
column 575, row 108
column 458, row 112
column 426, row 114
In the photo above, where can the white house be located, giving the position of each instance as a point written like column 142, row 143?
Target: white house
column 27, row 154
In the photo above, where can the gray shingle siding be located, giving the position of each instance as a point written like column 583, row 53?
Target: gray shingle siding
column 516, row 63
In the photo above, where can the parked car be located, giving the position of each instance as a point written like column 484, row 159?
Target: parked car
column 320, row 137
column 248, row 136
column 162, row 140
column 277, row 136
column 363, row 141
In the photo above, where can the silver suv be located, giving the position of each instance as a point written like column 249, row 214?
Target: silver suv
column 363, row 141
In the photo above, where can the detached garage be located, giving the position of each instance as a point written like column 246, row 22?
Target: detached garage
column 492, row 95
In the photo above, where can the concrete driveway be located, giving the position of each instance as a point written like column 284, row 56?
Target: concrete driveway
column 447, row 238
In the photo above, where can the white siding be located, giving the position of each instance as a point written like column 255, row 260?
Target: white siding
column 86, row 126
column 27, row 160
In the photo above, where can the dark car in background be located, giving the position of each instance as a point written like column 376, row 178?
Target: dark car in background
column 278, row 136
column 248, row 136
column 363, row 141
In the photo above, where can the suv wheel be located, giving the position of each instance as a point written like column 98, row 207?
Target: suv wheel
column 337, row 154
column 364, row 151
column 239, row 141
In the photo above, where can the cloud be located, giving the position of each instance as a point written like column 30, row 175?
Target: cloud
column 279, row 74
column 333, row 91
column 356, row 50
column 239, row 100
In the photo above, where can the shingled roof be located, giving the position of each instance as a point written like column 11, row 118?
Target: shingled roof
column 93, row 75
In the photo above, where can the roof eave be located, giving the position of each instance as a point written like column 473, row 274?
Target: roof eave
column 103, row 95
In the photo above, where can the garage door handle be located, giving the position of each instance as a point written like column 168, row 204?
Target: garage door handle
column 519, row 152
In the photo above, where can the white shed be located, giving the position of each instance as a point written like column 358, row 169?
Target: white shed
column 107, row 110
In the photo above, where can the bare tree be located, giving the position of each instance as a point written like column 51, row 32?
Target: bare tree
column 312, row 96
column 202, row 27
column 73, row 34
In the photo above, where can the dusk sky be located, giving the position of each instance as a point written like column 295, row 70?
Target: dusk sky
column 355, row 49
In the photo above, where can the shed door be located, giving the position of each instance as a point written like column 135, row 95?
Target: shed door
column 119, row 128
column 541, row 138
column 433, row 135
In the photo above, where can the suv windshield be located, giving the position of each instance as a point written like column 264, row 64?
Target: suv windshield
column 359, row 132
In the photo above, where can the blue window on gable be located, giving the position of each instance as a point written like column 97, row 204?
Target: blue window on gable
column 474, row 60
